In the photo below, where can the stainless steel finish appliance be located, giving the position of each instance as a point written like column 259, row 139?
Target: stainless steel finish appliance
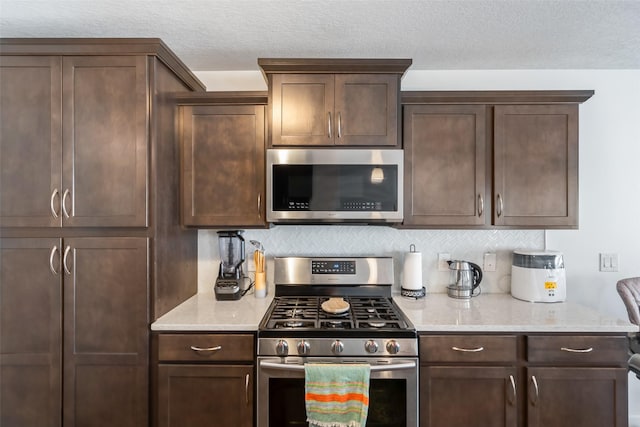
column 465, row 279
column 366, row 327
column 334, row 185
column 230, row 275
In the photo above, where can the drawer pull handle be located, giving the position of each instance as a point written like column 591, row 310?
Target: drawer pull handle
column 207, row 349
column 468, row 350
column 577, row 350
column 246, row 389
column 513, row 389
column 534, row 397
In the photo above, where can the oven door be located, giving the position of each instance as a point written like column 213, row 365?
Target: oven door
column 393, row 391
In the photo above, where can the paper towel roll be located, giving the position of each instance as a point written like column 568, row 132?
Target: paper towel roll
column 412, row 271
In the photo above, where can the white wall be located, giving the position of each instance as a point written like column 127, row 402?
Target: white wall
column 609, row 192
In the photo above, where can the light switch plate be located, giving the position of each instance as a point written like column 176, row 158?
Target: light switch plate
column 608, row 262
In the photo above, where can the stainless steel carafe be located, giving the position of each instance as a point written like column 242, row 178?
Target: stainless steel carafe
column 465, row 279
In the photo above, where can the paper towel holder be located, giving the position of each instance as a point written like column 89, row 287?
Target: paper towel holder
column 413, row 293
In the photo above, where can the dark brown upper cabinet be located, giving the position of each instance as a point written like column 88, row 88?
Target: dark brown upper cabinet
column 445, row 165
column 485, row 159
column 79, row 125
column 334, row 101
column 223, row 159
column 536, row 165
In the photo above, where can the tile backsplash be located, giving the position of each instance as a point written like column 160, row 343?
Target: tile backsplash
column 346, row 240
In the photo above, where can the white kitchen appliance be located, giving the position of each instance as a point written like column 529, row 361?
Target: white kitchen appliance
column 538, row 276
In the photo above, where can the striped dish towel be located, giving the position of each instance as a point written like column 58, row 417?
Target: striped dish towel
column 336, row 395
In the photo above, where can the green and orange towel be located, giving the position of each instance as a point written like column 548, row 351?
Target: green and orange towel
column 336, row 395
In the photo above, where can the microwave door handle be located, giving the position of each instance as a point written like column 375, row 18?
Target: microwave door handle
column 374, row 368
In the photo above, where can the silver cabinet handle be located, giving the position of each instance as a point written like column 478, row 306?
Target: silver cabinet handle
column 339, row 125
column 205, row 349
column 51, row 267
column 468, row 350
column 480, row 204
column 500, row 206
column 64, row 202
column 534, row 397
column 577, row 350
column 259, row 205
column 513, row 389
column 246, row 388
column 329, row 135
column 53, row 196
column 64, row 259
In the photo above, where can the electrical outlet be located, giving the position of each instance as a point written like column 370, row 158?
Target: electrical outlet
column 443, row 257
column 490, row 261
column 608, row 262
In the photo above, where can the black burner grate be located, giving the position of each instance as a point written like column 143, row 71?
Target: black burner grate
column 306, row 313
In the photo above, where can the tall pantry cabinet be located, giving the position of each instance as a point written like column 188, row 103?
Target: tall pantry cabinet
column 91, row 248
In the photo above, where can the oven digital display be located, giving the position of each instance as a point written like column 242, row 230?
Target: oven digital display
column 333, row 267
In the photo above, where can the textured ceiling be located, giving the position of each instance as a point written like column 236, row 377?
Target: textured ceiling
column 210, row 35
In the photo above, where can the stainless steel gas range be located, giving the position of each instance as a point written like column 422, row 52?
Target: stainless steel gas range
column 336, row 310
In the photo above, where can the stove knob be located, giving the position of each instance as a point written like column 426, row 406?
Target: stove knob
column 371, row 346
column 393, row 347
column 337, row 347
column 282, row 348
column 304, row 348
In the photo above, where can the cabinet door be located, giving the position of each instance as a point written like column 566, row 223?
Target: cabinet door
column 585, row 397
column 105, row 123
column 445, row 165
column 536, row 165
column 457, row 396
column 223, row 165
column 302, row 109
column 366, row 109
column 30, row 141
column 205, row 395
column 106, row 332
column 30, row 332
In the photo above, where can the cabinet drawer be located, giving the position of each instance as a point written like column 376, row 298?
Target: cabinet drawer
column 577, row 349
column 468, row 348
column 205, row 347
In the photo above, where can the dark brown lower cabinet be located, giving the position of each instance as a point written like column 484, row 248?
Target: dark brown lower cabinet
column 30, row 334
column 197, row 395
column 204, row 379
column 461, row 396
column 74, row 331
column 536, row 380
column 585, row 397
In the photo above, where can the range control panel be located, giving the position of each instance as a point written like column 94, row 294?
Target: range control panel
column 333, row 267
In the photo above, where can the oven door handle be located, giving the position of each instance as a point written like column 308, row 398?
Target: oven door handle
column 374, row 368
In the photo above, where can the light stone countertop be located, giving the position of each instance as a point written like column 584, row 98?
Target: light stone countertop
column 202, row 312
column 503, row 313
column 434, row 313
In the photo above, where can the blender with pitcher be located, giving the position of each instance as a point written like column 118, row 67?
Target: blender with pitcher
column 230, row 276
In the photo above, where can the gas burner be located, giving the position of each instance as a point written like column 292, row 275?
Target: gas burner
column 376, row 323
column 293, row 324
column 335, row 324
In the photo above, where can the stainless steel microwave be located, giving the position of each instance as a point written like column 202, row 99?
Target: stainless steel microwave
column 334, row 185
